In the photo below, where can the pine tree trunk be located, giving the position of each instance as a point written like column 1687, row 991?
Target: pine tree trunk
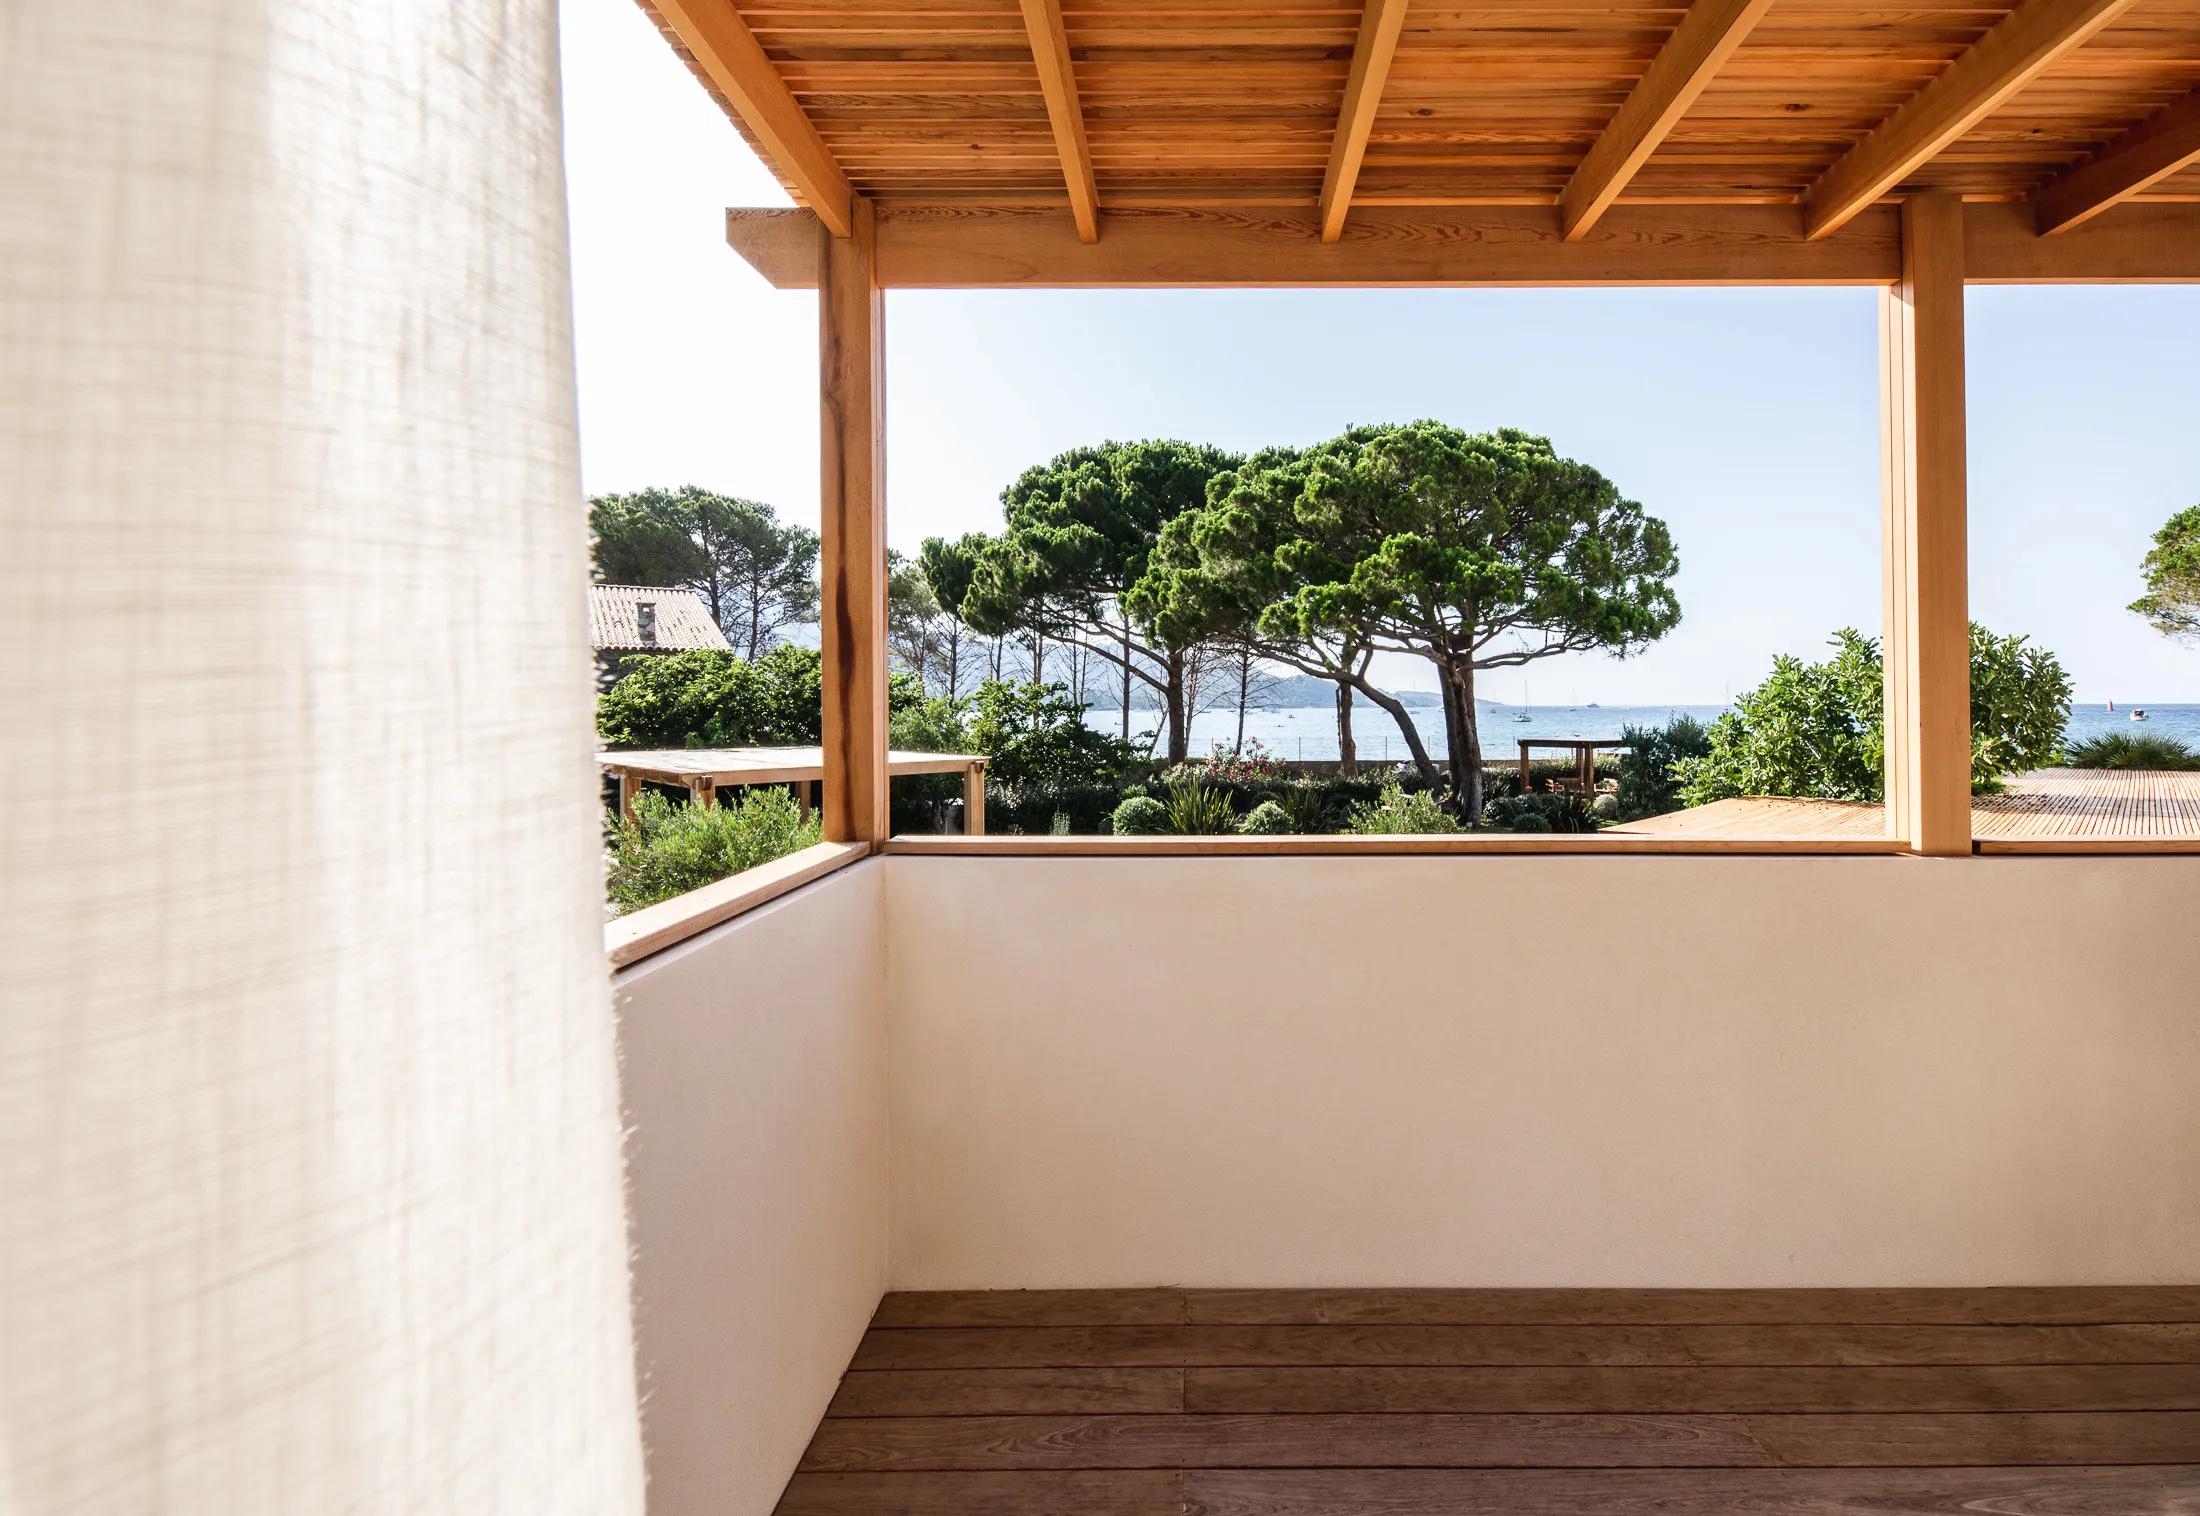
column 1180, row 740
column 1464, row 743
column 1126, row 680
column 1348, row 756
column 1245, row 692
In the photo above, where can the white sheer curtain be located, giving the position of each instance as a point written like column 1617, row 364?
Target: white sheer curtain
column 309, row 1151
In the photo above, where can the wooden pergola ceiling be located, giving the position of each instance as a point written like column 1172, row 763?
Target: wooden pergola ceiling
column 1827, row 106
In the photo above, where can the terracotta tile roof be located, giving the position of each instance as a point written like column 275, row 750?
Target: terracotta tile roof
column 683, row 621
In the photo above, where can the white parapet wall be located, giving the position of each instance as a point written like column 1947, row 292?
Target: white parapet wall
column 1679, row 1071
column 755, row 1086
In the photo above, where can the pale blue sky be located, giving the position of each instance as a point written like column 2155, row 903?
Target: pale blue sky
column 1746, row 418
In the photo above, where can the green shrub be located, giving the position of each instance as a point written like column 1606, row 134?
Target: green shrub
column 1817, row 729
column 713, row 699
column 2133, row 750
column 1139, row 816
column 1309, row 807
column 919, row 723
column 1543, row 811
column 669, row 848
column 1036, row 734
column 1267, row 819
column 1198, row 809
column 1031, row 808
column 1398, row 811
column 1646, row 783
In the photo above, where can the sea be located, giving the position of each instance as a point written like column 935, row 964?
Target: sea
column 1310, row 733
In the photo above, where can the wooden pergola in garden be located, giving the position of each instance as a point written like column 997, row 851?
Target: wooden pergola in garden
column 1219, row 143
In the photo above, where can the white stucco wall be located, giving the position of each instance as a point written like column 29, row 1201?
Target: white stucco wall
column 1543, row 1071
column 755, row 1085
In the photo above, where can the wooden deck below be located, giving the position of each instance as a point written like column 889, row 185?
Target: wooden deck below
column 1586, row 1402
column 2047, row 805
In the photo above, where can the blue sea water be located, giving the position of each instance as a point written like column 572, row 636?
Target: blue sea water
column 1311, row 733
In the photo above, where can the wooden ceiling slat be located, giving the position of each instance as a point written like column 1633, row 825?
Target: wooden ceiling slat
column 1239, row 101
column 1377, row 44
column 1699, row 47
column 2149, row 153
column 2000, row 64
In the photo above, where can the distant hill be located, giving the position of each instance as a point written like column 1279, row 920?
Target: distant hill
column 1305, row 692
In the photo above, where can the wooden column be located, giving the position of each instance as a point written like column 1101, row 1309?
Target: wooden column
column 1925, row 594
column 974, row 800
column 851, row 359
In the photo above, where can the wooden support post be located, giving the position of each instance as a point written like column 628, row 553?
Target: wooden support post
column 851, row 359
column 1925, row 596
column 974, row 800
column 630, row 790
column 704, row 792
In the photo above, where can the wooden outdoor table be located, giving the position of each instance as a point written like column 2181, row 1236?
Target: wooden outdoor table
column 1584, row 750
column 702, row 771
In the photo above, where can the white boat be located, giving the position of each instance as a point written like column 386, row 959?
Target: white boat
column 2138, row 713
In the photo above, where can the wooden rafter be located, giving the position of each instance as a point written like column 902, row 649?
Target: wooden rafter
column 1058, row 82
column 722, row 44
column 1996, row 67
column 1698, row 48
column 2151, row 151
column 1380, row 23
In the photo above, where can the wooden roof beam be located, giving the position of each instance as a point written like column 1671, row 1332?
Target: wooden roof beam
column 2150, row 151
column 1058, row 82
column 729, row 53
column 1999, row 64
column 1380, row 23
column 1697, row 50
column 962, row 245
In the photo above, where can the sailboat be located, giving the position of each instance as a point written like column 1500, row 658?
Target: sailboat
column 1522, row 713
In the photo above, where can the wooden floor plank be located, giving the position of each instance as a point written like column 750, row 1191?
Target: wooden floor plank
column 2036, row 1306
column 1443, row 1346
column 1011, row 1392
column 1156, row 1307
column 2053, row 1387
column 2057, row 1306
column 2173, row 1491
column 1115, row 1493
column 1872, row 1402
column 895, row 1444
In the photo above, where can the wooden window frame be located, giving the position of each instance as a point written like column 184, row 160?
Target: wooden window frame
column 1921, row 254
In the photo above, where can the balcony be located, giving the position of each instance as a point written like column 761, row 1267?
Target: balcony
column 1228, row 1134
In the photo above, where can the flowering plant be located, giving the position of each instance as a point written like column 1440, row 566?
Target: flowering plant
column 1249, row 764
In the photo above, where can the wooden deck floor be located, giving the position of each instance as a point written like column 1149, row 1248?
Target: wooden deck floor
column 2069, row 805
column 2077, row 1402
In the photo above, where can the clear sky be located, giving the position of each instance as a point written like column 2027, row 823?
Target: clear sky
column 1746, row 418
